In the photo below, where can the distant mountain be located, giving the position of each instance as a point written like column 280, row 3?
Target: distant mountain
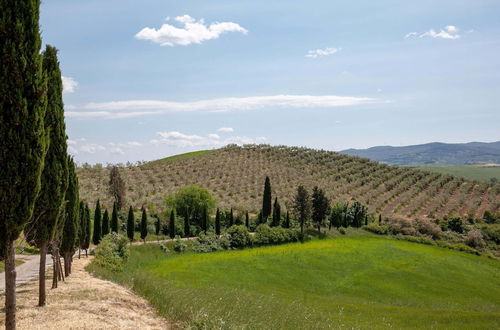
column 433, row 153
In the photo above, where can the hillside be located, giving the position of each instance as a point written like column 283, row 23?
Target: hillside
column 487, row 173
column 236, row 175
column 433, row 153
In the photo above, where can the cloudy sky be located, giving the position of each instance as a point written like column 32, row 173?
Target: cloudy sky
column 147, row 79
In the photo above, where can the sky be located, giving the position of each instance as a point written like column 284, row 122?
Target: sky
column 147, row 79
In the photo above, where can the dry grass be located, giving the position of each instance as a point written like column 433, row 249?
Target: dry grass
column 84, row 302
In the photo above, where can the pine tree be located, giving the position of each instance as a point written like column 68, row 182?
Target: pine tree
column 105, row 223
column 247, row 220
column 130, row 224
column 114, row 219
column 23, row 140
column 276, row 213
column 302, row 208
column 117, row 187
column 266, row 199
column 70, row 231
column 217, row 222
column 144, row 225
column 171, row 224
column 96, row 237
column 54, row 180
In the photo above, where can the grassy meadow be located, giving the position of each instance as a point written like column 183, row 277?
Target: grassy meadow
column 472, row 172
column 348, row 282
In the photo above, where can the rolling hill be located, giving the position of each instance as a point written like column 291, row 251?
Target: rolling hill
column 433, row 153
column 235, row 175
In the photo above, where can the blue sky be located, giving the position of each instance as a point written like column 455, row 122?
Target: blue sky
column 147, row 79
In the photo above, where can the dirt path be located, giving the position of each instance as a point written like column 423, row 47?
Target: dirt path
column 84, row 302
column 25, row 272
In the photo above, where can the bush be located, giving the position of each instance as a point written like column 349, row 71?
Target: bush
column 455, row 224
column 457, row 247
column 342, row 230
column 475, row 239
column 179, row 245
column 265, row 235
column 238, row 237
column 491, row 233
column 415, row 239
column 375, row 228
column 427, row 227
column 401, row 226
column 112, row 252
column 207, row 243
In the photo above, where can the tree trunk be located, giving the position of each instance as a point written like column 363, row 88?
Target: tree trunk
column 41, row 275
column 86, row 254
column 61, row 273
column 79, row 251
column 55, row 272
column 66, row 264
column 10, row 286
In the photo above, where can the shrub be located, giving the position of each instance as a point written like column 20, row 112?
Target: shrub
column 457, row 247
column 179, row 245
column 426, row 227
column 265, row 235
column 238, row 237
column 475, row 239
column 491, row 233
column 207, row 243
column 455, row 224
column 342, row 230
column 375, row 228
column 415, row 239
column 112, row 252
column 401, row 226
column 164, row 248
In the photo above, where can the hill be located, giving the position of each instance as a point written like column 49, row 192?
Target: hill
column 348, row 282
column 487, row 173
column 235, row 175
column 433, row 153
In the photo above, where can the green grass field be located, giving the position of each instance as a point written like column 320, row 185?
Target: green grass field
column 186, row 155
column 473, row 172
column 350, row 282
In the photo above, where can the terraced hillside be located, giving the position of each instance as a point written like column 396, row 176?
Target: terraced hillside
column 236, row 175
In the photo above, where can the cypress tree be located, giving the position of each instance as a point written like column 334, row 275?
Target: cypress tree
column 96, row 237
column 86, row 242
column 70, row 229
column 105, row 223
column 82, row 227
column 144, row 225
column 171, row 224
column 217, row 222
column 117, row 187
column 276, row 213
column 114, row 219
column 247, row 220
column 204, row 220
column 286, row 224
column 267, row 199
column 23, row 140
column 186, row 226
column 130, row 224
column 231, row 218
column 380, row 219
column 54, row 180
column 157, row 225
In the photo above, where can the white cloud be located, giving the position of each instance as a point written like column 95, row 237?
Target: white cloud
column 91, row 148
column 226, row 129
column 135, row 108
column 322, row 52
column 117, row 150
column 448, row 32
column 214, row 136
column 69, row 84
column 181, row 140
column 192, row 31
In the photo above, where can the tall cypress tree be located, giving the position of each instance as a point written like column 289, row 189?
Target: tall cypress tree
column 88, row 231
column 231, row 218
column 144, row 225
column 54, row 180
column 130, row 224
column 276, row 213
column 217, row 222
column 204, row 220
column 171, row 224
column 114, row 219
column 157, row 224
column 186, row 226
column 247, row 220
column 96, row 237
column 82, row 227
column 267, row 199
column 286, row 224
column 105, row 223
column 22, row 134
column 70, row 229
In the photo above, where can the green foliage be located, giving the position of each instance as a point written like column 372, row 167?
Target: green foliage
column 217, row 222
column 320, row 205
column 144, row 224
column 455, row 224
column 207, row 243
column 71, row 222
column 491, row 218
column 179, row 245
column 276, row 213
column 114, row 219
column 190, row 202
column 342, row 230
column 97, row 236
column 238, row 237
column 267, row 199
column 302, row 207
column 265, row 235
column 376, row 228
column 88, row 236
column 117, row 187
column 171, row 224
column 157, row 224
column 112, row 252
column 356, row 282
column 491, row 233
column 23, row 101
column 130, row 224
